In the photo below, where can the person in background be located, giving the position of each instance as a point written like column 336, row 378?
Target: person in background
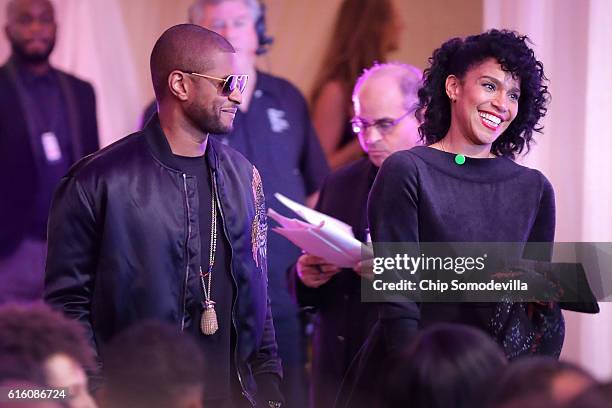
column 384, row 99
column 169, row 224
column 272, row 129
column 54, row 347
column 365, row 32
column 152, row 365
column 47, row 122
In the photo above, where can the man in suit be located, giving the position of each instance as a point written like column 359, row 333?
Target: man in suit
column 47, row 122
column 385, row 99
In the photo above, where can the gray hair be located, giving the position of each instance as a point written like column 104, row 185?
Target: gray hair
column 196, row 10
column 410, row 80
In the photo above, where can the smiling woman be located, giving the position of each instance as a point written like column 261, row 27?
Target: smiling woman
column 484, row 94
column 485, row 103
column 481, row 101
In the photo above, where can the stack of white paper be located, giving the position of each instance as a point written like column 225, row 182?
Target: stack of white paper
column 320, row 235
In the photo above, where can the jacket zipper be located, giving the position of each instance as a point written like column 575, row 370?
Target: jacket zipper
column 244, row 391
column 186, row 252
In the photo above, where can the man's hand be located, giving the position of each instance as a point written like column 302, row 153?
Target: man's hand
column 364, row 269
column 314, row 271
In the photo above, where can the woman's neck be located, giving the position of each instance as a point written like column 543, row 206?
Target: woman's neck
column 456, row 143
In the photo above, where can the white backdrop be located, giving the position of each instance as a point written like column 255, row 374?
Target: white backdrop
column 573, row 39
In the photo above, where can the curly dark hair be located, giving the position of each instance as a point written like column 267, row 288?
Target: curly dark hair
column 37, row 332
column 456, row 56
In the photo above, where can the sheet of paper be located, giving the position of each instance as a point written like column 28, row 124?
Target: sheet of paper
column 286, row 222
column 333, row 244
column 314, row 244
column 312, row 216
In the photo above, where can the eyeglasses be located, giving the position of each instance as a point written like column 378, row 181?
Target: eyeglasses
column 230, row 82
column 384, row 126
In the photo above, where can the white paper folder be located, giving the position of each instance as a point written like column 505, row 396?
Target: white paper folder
column 319, row 234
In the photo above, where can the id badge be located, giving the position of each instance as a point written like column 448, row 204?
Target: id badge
column 51, row 147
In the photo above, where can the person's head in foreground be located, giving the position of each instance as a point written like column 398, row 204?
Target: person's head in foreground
column 446, row 366
column 153, row 365
column 21, row 372
column 483, row 95
column 530, row 377
column 385, row 101
column 57, row 344
column 597, row 396
column 195, row 84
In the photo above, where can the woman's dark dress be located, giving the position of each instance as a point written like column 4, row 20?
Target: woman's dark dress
column 422, row 195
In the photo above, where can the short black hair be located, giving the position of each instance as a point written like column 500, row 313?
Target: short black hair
column 11, row 5
column 38, row 333
column 151, row 364
column 184, row 47
column 533, row 376
column 447, row 365
column 456, row 56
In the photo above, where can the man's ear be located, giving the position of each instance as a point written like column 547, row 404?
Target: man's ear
column 453, row 87
column 178, row 85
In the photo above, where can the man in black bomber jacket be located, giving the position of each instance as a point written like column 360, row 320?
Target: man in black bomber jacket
column 168, row 224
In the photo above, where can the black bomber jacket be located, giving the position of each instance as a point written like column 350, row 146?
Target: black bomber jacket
column 122, row 216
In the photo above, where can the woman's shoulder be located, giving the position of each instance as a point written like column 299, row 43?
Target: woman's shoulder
column 533, row 177
column 401, row 161
column 426, row 160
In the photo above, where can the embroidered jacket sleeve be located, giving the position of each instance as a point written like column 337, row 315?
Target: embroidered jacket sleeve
column 266, row 363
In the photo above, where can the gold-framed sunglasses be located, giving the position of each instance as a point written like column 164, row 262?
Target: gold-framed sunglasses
column 229, row 83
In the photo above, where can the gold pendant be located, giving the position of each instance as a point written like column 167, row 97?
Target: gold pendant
column 208, row 323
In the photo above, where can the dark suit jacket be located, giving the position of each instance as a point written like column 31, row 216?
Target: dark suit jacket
column 343, row 322
column 18, row 174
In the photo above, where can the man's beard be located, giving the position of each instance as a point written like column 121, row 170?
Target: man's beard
column 31, row 58
column 207, row 121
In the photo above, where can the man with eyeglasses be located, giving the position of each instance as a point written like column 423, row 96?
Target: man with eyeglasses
column 384, row 100
column 272, row 129
column 170, row 224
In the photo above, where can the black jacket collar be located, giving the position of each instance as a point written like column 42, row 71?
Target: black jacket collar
column 158, row 143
